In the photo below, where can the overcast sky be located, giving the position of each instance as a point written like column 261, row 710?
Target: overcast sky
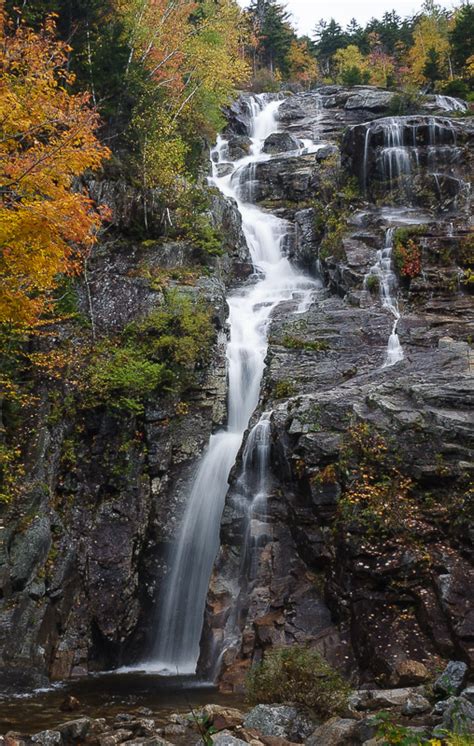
column 307, row 13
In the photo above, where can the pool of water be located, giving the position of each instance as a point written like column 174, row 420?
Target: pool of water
column 107, row 695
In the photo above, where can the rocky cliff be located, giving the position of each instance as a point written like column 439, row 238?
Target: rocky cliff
column 362, row 547
column 362, row 544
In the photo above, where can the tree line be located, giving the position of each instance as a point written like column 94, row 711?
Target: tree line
column 432, row 50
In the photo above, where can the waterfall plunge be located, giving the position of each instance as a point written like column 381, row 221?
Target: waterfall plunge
column 182, row 601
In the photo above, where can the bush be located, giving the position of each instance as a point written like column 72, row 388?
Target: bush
column 355, row 76
column 159, row 353
column 458, row 88
column 295, row 343
column 407, row 102
column 124, row 379
column 372, row 283
column 283, row 389
column 300, row 675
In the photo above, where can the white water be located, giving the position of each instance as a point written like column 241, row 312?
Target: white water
column 181, row 606
column 449, row 103
column 387, row 280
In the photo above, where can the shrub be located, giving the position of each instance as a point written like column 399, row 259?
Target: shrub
column 124, row 379
column 372, row 283
column 300, row 675
column 295, row 343
column 407, row 252
column 159, row 353
column 283, row 389
column 407, row 102
column 458, row 88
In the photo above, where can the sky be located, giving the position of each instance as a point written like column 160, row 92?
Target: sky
column 306, row 13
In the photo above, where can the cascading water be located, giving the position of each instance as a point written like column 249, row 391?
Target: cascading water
column 181, row 606
column 402, row 145
column 387, row 280
column 449, row 103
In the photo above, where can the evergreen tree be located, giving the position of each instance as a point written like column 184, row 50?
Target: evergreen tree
column 329, row 38
column 431, row 70
column 274, row 32
column 462, row 36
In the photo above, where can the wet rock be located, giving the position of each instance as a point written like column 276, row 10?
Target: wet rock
column 451, row 680
column 238, row 147
column 335, row 732
column 114, row 739
column 283, row 721
column 280, row 142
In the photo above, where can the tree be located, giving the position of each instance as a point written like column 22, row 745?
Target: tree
column 47, row 140
column 430, row 33
column 461, row 35
column 431, row 69
column 275, row 34
column 302, row 66
column 329, row 38
column 351, row 65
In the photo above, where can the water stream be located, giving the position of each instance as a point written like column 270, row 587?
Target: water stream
column 182, row 601
column 387, row 281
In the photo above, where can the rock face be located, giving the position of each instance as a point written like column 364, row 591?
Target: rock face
column 384, row 596
column 370, row 567
column 82, row 553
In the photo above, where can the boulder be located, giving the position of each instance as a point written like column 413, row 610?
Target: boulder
column 458, row 717
column 75, row 730
column 411, row 672
column 379, row 699
column 280, row 142
column 284, row 721
column 371, row 99
column 47, row 738
column 416, row 704
column 238, row 147
column 223, row 718
column 336, row 732
column 451, row 680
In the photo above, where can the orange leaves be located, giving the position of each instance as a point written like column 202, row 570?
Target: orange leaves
column 47, row 140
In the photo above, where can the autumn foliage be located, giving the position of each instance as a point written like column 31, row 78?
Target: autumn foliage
column 47, row 141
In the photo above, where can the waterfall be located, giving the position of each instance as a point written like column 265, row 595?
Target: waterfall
column 387, row 280
column 449, row 103
column 401, row 146
column 180, row 608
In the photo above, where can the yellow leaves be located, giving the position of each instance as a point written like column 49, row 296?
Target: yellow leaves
column 428, row 34
column 347, row 58
column 47, row 140
column 301, row 64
